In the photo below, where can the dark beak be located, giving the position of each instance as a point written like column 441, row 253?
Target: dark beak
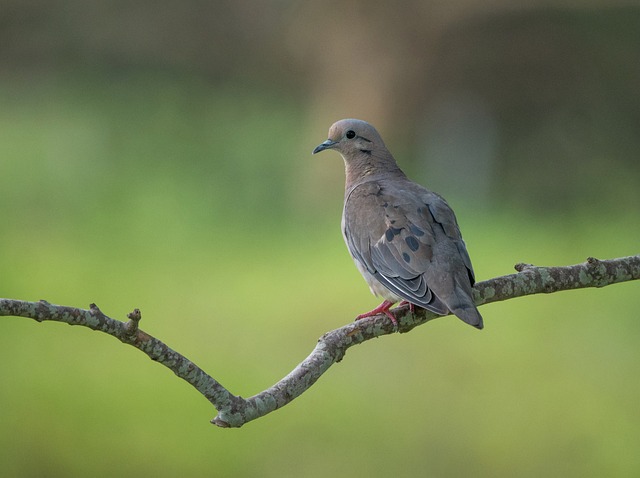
column 328, row 144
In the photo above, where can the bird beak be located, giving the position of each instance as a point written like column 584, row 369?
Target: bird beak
column 328, row 144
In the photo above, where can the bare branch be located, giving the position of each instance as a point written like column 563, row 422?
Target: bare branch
column 234, row 411
column 128, row 333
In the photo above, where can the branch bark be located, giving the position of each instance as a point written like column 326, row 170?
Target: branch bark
column 235, row 411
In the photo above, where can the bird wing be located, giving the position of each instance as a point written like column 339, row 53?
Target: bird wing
column 407, row 237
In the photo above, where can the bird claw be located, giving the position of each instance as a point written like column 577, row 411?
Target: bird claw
column 412, row 307
column 381, row 309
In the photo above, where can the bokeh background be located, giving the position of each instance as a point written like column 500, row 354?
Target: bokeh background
column 158, row 155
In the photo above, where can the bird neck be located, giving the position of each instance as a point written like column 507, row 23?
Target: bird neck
column 365, row 167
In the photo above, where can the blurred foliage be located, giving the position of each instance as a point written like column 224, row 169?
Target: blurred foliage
column 159, row 157
column 511, row 98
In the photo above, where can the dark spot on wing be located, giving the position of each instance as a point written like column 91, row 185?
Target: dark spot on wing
column 416, row 230
column 413, row 243
column 406, row 257
column 391, row 232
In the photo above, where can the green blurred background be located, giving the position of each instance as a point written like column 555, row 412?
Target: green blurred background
column 158, row 155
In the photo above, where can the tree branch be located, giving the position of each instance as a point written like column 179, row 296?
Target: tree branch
column 234, row 411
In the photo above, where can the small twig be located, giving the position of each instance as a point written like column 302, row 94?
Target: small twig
column 234, row 411
column 134, row 316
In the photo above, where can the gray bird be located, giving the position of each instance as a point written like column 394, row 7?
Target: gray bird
column 403, row 238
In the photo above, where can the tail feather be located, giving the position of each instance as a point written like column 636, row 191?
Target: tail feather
column 470, row 315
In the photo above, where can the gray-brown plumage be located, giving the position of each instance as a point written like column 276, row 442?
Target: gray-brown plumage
column 403, row 238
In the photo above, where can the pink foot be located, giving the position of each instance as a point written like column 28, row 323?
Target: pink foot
column 381, row 309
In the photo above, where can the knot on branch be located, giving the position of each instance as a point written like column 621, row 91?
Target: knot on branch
column 220, row 423
column 523, row 266
column 43, row 309
column 134, row 317
column 95, row 310
column 598, row 271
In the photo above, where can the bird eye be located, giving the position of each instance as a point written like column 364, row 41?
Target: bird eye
column 350, row 134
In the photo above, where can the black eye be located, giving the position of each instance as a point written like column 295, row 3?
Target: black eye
column 350, row 134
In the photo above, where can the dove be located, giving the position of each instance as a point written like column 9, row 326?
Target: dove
column 403, row 238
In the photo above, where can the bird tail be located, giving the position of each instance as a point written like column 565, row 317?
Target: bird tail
column 470, row 315
column 463, row 307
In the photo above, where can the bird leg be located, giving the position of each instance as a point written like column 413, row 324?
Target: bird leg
column 412, row 307
column 381, row 309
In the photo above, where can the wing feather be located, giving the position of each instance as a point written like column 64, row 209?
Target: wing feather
column 394, row 235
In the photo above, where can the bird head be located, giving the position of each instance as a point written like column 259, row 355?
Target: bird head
column 352, row 137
